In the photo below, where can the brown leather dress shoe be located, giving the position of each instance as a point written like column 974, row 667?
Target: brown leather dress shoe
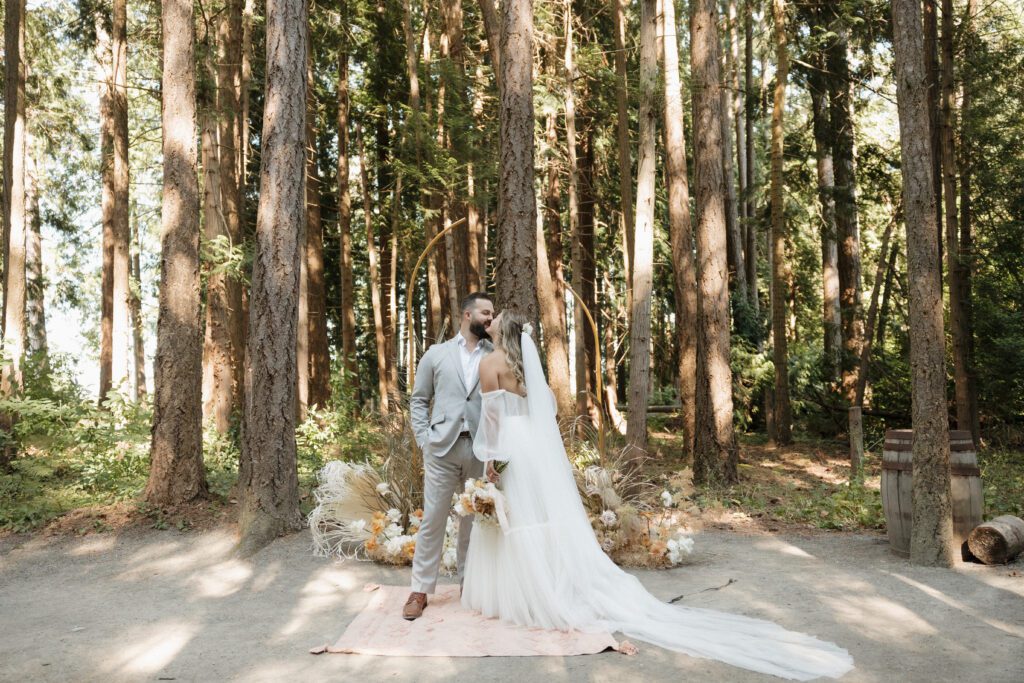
column 414, row 606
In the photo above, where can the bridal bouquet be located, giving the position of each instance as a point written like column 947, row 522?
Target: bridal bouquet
column 485, row 500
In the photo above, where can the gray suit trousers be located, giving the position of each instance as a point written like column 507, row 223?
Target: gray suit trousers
column 442, row 477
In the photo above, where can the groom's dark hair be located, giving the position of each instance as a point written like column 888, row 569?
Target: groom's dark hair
column 472, row 298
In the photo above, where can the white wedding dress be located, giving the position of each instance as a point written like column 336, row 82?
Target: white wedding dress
column 546, row 569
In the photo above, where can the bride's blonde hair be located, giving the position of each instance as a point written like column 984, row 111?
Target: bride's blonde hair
column 511, row 330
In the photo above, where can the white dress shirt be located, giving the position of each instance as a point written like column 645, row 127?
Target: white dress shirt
column 470, row 366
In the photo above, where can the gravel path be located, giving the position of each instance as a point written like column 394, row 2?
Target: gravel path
column 164, row 605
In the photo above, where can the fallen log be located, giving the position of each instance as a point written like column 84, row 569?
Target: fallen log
column 997, row 541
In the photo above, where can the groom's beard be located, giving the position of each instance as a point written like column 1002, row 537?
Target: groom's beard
column 479, row 330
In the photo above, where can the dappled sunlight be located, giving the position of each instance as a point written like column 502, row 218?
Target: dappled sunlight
column 166, row 558
column 221, row 580
column 1011, row 629
column 325, row 589
column 876, row 617
column 94, row 545
column 148, row 649
column 266, row 578
column 781, row 546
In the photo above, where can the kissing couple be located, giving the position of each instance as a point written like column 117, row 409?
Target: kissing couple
column 481, row 398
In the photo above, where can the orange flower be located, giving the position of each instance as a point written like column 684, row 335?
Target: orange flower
column 410, row 549
column 658, row 548
column 418, row 512
column 370, row 544
column 376, row 527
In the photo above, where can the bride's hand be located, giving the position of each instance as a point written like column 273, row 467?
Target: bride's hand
column 492, row 474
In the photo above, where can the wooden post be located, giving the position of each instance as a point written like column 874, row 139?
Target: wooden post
column 856, row 443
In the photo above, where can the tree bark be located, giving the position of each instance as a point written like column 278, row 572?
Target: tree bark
column 121, row 357
column 959, row 330
column 492, row 25
column 931, row 541
column 841, row 111
column 715, row 454
column 316, row 286
column 269, row 479
column 176, row 472
column 218, row 370
column 750, row 105
column 375, row 297
column 517, row 205
column 734, row 240
column 105, row 78
column 14, row 204
column 35, row 282
column 883, row 313
column 348, row 286
column 965, row 257
column 781, row 274
column 931, row 56
column 831, row 317
column 550, row 287
column 135, row 309
column 232, row 107
column 643, row 244
column 622, row 129
column 680, row 227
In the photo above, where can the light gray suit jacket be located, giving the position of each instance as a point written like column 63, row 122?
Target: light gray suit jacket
column 439, row 379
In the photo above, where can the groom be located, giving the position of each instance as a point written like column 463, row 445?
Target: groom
column 448, row 374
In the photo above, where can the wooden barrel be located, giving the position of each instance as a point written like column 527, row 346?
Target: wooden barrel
column 897, row 485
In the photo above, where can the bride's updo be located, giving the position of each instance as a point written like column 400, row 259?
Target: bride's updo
column 511, row 330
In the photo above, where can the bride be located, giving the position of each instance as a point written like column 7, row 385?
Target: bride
column 546, row 569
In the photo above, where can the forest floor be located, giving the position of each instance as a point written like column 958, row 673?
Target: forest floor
column 148, row 604
column 127, row 592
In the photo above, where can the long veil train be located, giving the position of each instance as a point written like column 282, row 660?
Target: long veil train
column 553, row 574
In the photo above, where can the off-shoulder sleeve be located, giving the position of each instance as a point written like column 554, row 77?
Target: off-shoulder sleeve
column 487, row 443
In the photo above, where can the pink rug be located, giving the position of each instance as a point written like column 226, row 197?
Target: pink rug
column 446, row 629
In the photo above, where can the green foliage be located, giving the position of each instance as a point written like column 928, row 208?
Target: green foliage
column 1002, row 475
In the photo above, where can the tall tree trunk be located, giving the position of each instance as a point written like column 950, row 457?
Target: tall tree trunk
column 14, row 202
column 517, row 205
column 931, row 56
column 492, row 25
column 883, row 313
column 316, row 287
column 734, row 240
column 218, row 371
column 393, row 340
column 869, row 333
column 105, row 78
column 931, row 538
column 348, row 287
column 831, row 317
column 680, row 228
column 580, row 324
column 232, row 106
column 588, row 262
column 135, row 309
column 643, row 259
column 739, row 117
column 965, row 257
column 121, row 357
column 715, row 455
column 176, row 472
column 750, row 106
column 375, row 294
column 622, row 129
column 35, row 283
column 958, row 327
column 269, row 479
column 841, row 111
column 550, row 288
column 781, row 274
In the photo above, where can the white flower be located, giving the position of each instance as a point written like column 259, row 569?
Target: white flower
column 449, row 526
column 383, row 488
column 528, row 329
column 395, row 545
column 608, row 517
column 394, row 514
column 392, row 531
column 358, row 526
column 450, row 558
column 607, row 544
column 685, row 544
column 666, row 499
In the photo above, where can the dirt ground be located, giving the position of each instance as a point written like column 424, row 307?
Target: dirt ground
column 169, row 605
